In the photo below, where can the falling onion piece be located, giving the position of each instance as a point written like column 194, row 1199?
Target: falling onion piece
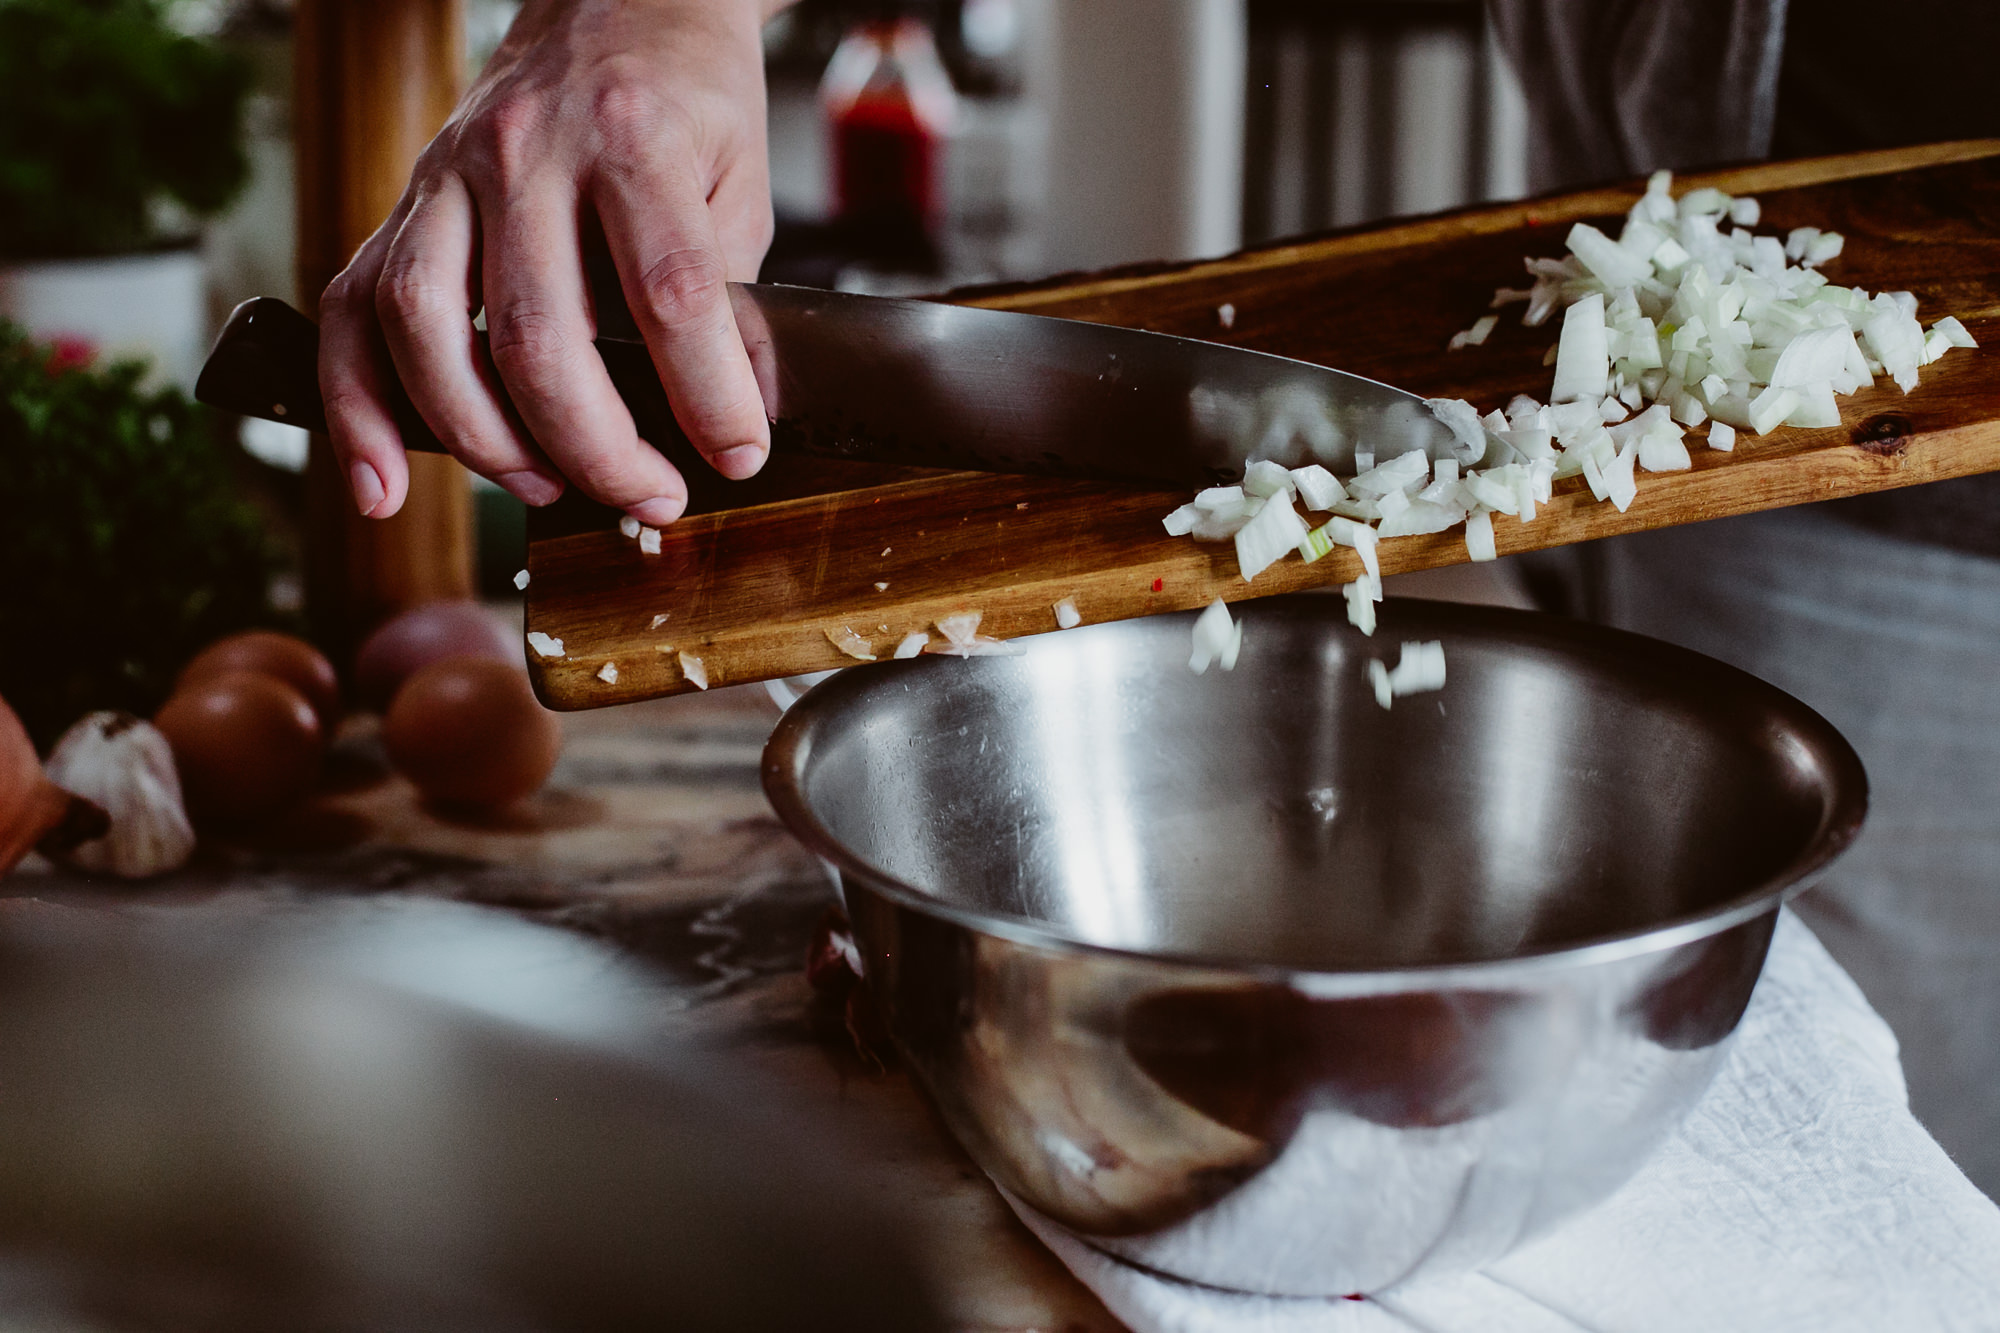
column 850, row 643
column 545, row 645
column 628, row 526
column 1378, row 676
column 1419, row 670
column 1215, row 635
column 1361, row 599
column 1479, row 537
column 521, row 580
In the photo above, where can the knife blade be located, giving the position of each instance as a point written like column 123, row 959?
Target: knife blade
column 925, row 384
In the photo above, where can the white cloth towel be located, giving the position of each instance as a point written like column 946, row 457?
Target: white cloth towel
column 1800, row 1194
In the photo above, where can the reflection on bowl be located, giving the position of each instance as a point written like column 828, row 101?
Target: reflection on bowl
column 1255, row 983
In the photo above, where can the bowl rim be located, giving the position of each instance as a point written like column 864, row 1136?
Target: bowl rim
column 788, row 752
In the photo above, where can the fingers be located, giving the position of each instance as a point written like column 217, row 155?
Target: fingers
column 674, row 272
column 355, row 377
column 424, row 300
column 540, row 341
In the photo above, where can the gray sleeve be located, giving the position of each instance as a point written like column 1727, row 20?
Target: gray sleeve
column 1622, row 87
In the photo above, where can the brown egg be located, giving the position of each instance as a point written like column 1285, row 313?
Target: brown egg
column 467, row 731
column 424, row 634
column 280, row 656
column 247, row 745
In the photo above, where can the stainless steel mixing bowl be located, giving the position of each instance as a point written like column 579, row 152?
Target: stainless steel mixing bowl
column 1249, row 981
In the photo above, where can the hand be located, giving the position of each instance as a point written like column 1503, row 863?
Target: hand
column 644, row 118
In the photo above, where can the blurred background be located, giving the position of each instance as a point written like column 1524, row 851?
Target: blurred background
column 148, row 184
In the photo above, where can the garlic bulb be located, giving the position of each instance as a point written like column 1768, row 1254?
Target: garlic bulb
column 125, row 766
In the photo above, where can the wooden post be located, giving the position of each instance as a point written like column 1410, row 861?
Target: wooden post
column 373, row 81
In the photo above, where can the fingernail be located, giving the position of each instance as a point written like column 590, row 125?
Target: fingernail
column 368, row 489
column 657, row 512
column 740, row 462
column 530, row 487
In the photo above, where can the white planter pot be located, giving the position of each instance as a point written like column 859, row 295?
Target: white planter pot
column 145, row 305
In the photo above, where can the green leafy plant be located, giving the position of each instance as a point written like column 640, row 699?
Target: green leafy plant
column 106, row 114
column 126, row 544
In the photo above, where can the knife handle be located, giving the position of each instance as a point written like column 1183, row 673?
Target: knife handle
column 265, row 364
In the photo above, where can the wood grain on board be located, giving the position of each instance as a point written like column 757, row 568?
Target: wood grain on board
column 755, row 591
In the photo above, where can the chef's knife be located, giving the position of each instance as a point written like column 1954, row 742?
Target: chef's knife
column 919, row 383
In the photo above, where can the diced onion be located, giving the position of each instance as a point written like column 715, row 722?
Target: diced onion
column 1950, row 327
column 521, row 580
column 545, row 645
column 649, row 541
column 1583, row 360
column 608, row 673
column 1318, row 488
column 850, row 643
column 1479, row 537
column 628, row 526
column 1687, row 319
column 1378, row 676
column 1266, row 480
column 1273, row 533
column 960, row 629
column 1360, row 596
column 692, row 668
column 1067, row 616
column 911, row 644
column 1214, row 634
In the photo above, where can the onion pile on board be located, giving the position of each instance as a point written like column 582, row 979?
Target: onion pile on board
column 1689, row 325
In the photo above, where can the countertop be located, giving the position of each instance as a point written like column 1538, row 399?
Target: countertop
column 654, row 836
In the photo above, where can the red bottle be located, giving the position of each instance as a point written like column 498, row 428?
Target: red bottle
column 889, row 106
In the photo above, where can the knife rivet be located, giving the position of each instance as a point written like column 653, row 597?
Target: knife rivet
column 277, row 409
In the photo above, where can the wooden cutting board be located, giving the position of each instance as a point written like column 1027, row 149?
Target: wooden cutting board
column 753, row 591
